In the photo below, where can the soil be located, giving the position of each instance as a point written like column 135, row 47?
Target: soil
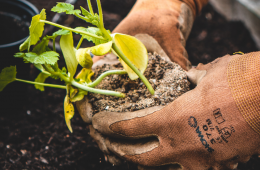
column 168, row 80
column 35, row 135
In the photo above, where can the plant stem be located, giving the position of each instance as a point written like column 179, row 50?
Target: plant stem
column 129, row 63
column 80, row 42
column 64, row 78
column 81, row 17
column 105, row 74
column 90, row 7
column 86, row 88
column 55, row 67
column 99, row 91
column 105, row 33
column 101, row 24
column 73, row 30
column 41, row 84
column 53, row 44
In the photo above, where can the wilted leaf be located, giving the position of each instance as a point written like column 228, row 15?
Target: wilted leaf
column 84, row 58
column 72, row 91
column 68, row 112
column 41, row 79
column 134, row 50
column 7, row 76
column 36, row 28
column 78, row 96
column 68, row 50
column 25, row 44
column 102, row 49
column 85, row 75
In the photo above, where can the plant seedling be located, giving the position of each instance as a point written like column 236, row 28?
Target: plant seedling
column 130, row 51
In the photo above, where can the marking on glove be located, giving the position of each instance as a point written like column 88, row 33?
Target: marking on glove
column 193, row 123
column 222, row 133
column 218, row 116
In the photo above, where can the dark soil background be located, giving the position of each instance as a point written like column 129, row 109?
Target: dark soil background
column 33, row 131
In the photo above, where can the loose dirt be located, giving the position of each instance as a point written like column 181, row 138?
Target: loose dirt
column 168, row 79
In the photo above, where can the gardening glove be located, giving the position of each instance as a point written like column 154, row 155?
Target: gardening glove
column 168, row 22
column 214, row 126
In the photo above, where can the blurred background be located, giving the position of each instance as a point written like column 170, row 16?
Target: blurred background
column 32, row 127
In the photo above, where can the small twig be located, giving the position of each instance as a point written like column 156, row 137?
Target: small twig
column 49, row 141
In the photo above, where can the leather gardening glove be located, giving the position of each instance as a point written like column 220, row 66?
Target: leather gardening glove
column 214, row 126
column 169, row 22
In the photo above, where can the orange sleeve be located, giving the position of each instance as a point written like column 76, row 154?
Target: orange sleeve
column 195, row 5
column 244, row 82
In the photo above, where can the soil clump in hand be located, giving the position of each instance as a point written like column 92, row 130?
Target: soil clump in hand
column 168, row 79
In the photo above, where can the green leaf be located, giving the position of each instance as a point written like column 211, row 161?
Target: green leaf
column 36, row 28
column 102, row 49
column 65, row 7
column 94, row 19
column 84, row 58
column 134, row 50
column 19, row 55
column 41, row 79
column 68, row 50
column 68, row 112
column 41, row 47
column 87, row 14
column 49, row 57
column 63, row 70
column 25, row 44
column 61, row 32
column 7, row 76
column 39, row 67
column 92, row 30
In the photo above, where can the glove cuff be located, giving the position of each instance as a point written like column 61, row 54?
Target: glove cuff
column 244, row 81
column 195, row 5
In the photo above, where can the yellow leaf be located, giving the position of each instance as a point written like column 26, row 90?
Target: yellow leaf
column 102, row 49
column 84, row 58
column 68, row 112
column 69, row 53
column 134, row 50
column 36, row 28
column 85, row 75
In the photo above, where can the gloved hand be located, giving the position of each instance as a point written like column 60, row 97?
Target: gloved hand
column 215, row 125
column 168, row 22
